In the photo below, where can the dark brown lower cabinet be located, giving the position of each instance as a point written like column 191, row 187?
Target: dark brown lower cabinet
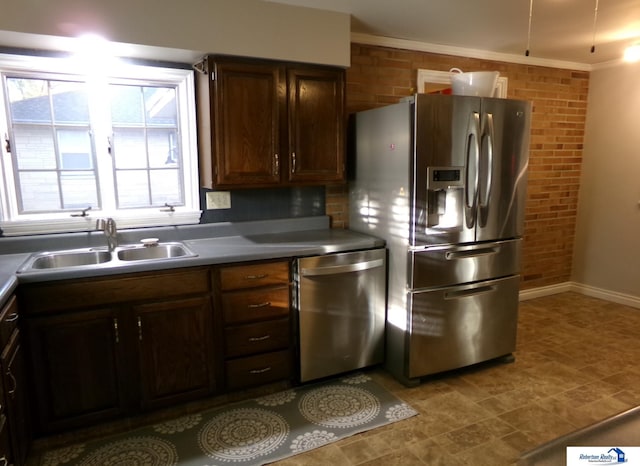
column 131, row 343
column 5, row 442
column 256, row 314
column 78, row 374
column 109, row 347
column 14, row 378
column 15, row 428
column 175, row 341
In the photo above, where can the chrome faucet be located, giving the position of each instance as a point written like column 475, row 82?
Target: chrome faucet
column 108, row 225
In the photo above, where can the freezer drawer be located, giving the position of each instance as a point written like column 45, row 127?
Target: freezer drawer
column 341, row 304
column 450, row 265
column 458, row 326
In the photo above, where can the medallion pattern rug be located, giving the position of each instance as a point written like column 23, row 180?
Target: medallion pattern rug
column 252, row 432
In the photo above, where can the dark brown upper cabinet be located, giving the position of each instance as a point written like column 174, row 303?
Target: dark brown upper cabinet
column 264, row 123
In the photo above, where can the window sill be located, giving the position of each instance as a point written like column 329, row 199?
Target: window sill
column 88, row 223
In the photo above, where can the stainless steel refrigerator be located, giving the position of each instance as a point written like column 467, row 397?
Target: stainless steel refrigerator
column 442, row 179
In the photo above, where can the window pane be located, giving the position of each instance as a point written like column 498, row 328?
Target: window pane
column 145, row 132
column 39, row 191
column 75, row 149
column 70, row 103
column 133, row 188
column 163, row 148
column 165, row 187
column 79, row 189
column 29, row 100
column 126, row 105
column 130, row 148
column 160, row 105
column 34, row 148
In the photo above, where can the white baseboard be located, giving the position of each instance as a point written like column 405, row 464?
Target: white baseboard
column 545, row 291
column 607, row 295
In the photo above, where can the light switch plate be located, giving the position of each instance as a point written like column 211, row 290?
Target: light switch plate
column 218, row 200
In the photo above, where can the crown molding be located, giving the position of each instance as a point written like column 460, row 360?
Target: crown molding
column 368, row 39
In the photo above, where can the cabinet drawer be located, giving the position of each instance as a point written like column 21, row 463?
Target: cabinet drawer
column 257, row 338
column 254, row 275
column 260, row 304
column 256, row 370
column 8, row 320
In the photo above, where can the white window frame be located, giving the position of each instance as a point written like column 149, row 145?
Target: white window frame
column 14, row 224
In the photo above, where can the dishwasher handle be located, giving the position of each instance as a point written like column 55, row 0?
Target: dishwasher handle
column 337, row 269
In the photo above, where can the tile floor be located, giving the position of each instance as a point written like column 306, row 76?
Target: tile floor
column 576, row 363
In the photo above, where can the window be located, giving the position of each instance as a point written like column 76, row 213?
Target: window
column 120, row 145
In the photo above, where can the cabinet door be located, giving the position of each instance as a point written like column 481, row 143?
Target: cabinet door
column 76, row 362
column 246, row 113
column 5, row 442
column 175, row 341
column 15, row 388
column 316, row 125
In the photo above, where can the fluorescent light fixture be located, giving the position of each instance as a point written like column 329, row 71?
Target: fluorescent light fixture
column 632, row 53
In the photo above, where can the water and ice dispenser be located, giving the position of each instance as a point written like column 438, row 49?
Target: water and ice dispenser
column 445, row 197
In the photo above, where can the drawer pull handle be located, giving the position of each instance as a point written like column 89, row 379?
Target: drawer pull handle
column 12, row 317
column 115, row 330
column 262, row 338
column 4, row 461
column 254, row 306
column 256, row 277
column 260, row 371
column 13, row 381
column 139, row 328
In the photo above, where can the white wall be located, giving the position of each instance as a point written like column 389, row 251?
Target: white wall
column 183, row 30
column 607, row 246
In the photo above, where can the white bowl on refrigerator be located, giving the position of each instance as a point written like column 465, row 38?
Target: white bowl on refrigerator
column 476, row 83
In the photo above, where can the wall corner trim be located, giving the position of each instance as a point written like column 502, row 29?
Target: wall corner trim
column 607, row 295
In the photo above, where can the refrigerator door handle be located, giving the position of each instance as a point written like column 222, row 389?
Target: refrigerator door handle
column 487, row 135
column 467, row 293
column 471, row 176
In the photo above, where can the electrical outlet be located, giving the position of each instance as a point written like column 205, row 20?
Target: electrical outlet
column 218, row 200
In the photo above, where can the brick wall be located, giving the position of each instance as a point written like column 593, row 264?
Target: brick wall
column 380, row 76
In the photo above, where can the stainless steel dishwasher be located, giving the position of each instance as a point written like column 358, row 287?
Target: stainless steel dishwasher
column 341, row 303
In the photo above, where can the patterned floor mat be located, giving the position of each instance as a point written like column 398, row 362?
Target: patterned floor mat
column 253, row 432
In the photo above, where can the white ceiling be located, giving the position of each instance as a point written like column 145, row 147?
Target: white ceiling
column 561, row 30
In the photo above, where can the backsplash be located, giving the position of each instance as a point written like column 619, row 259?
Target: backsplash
column 267, row 204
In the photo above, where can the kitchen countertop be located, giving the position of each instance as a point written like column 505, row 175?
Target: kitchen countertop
column 212, row 244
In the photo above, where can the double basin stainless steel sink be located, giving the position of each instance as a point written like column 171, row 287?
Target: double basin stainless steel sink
column 97, row 256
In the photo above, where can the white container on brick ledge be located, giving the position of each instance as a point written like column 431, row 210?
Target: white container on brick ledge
column 476, row 83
